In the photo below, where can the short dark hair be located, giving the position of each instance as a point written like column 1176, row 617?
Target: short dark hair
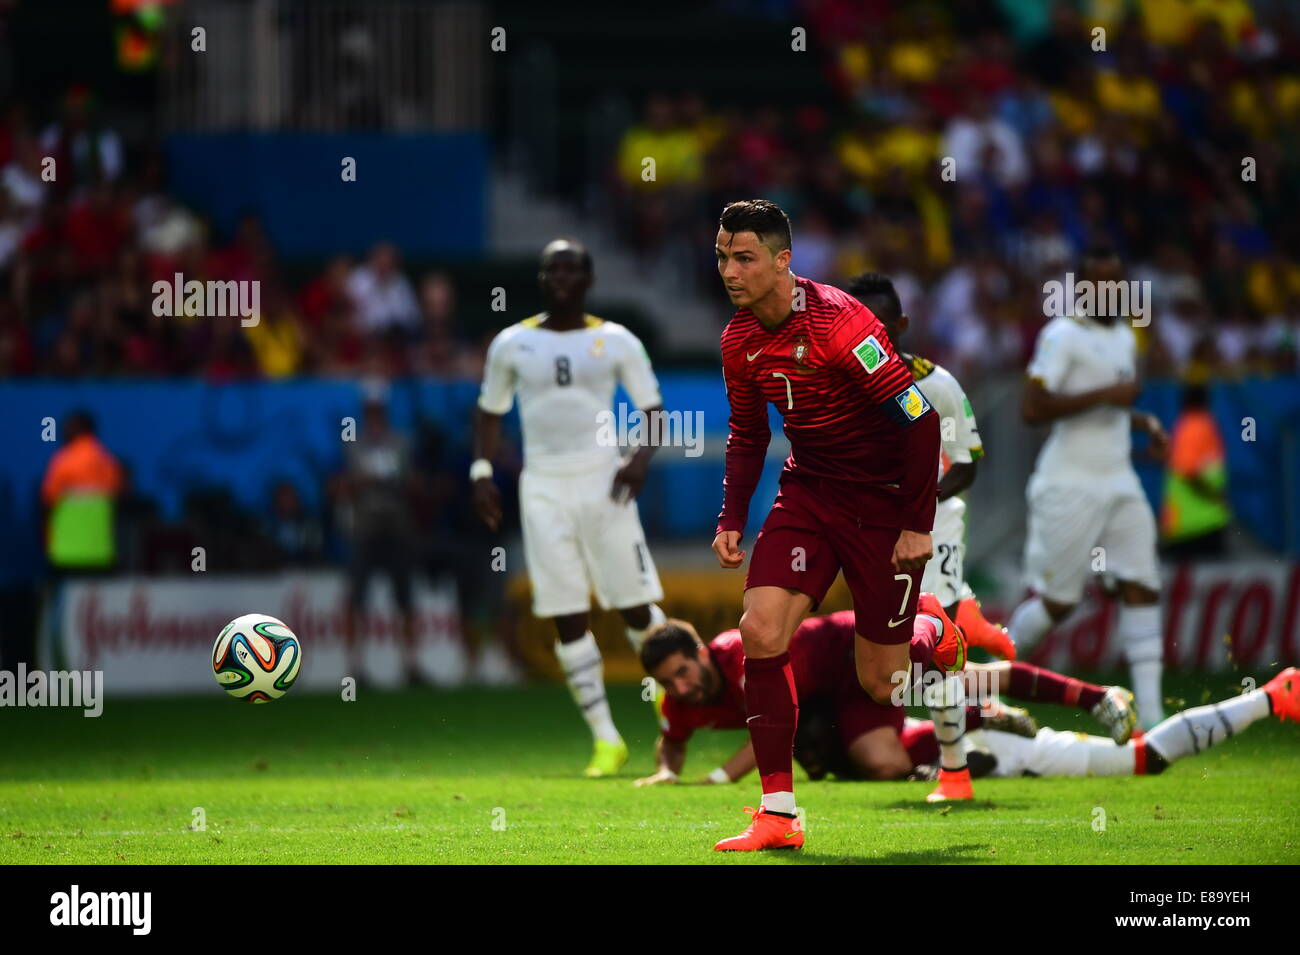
column 762, row 217
column 671, row 636
column 577, row 248
column 875, row 285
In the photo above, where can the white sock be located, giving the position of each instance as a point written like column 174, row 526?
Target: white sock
column 1107, row 759
column 1199, row 728
column 947, row 703
column 584, row 671
column 1139, row 634
column 1028, row 623
column 636, row 637
column 779, row 802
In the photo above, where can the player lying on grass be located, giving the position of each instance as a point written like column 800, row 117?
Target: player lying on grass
column 1052, row 752
column 704, row 691
column 704, row 688
column 981, row 684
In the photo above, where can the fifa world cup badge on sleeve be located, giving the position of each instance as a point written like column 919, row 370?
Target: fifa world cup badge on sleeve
column 912, row 402
column 870, row 354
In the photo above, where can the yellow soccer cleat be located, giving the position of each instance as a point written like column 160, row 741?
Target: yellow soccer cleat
column 658, row 704
column 606, row 759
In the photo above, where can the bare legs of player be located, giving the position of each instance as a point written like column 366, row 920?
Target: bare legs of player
column 878, row 754
column 879, row 665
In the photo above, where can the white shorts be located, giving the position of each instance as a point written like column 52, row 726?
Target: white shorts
column 1055, row 753
column 578, row 540
column 945, row 572
column 1075, row 531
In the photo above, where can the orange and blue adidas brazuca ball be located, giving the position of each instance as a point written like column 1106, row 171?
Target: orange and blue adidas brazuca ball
column 256, row 658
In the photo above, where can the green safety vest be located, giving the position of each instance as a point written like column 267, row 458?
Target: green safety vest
column 1191, row 513
column 81, row 531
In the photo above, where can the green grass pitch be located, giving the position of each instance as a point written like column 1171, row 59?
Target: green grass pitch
column 492, row 776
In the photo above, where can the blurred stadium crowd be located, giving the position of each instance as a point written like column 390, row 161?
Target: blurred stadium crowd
column 79, row 257
column 1179, row 142
column 1054, row 143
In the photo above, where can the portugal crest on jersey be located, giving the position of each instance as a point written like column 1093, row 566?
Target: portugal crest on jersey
column 801, row 348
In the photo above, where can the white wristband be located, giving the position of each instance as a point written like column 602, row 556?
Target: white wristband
column 719, row 776
column 482, row 468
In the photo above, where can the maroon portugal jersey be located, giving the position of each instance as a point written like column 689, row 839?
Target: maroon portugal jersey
column 821, row 651
column 851, row 410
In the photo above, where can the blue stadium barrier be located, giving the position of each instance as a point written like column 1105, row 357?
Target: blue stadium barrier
column 174, row 436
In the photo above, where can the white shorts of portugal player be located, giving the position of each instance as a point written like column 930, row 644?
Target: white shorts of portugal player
column 577, row 540
column 1076, row 530
column 945, row 572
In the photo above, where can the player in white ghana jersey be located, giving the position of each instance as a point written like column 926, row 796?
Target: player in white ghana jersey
column 1188, row 733
column 1087, row 509
column 945, row 573
column 577, row 494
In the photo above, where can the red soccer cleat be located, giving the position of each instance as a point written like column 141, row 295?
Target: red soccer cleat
column 953, row 784
column 766, row 831
column 1284, row 693
column 980, row 633
column 950, row 654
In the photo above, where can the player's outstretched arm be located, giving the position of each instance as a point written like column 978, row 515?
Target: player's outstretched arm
column 1148, row 424
column 741, row 764
column 1040, row 406
column 487, row 438
column 670, row 755
column 630, row 478
column 638, row 378
column 726, row 545
column 958, row 477
column 920, row 455
column 748, row 437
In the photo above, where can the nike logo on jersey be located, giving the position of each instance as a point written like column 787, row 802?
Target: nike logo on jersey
column 749, row 357
column 895, row 623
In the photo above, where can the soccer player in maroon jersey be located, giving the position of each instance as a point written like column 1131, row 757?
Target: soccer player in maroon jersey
column 704, row 688
column 857, row 492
